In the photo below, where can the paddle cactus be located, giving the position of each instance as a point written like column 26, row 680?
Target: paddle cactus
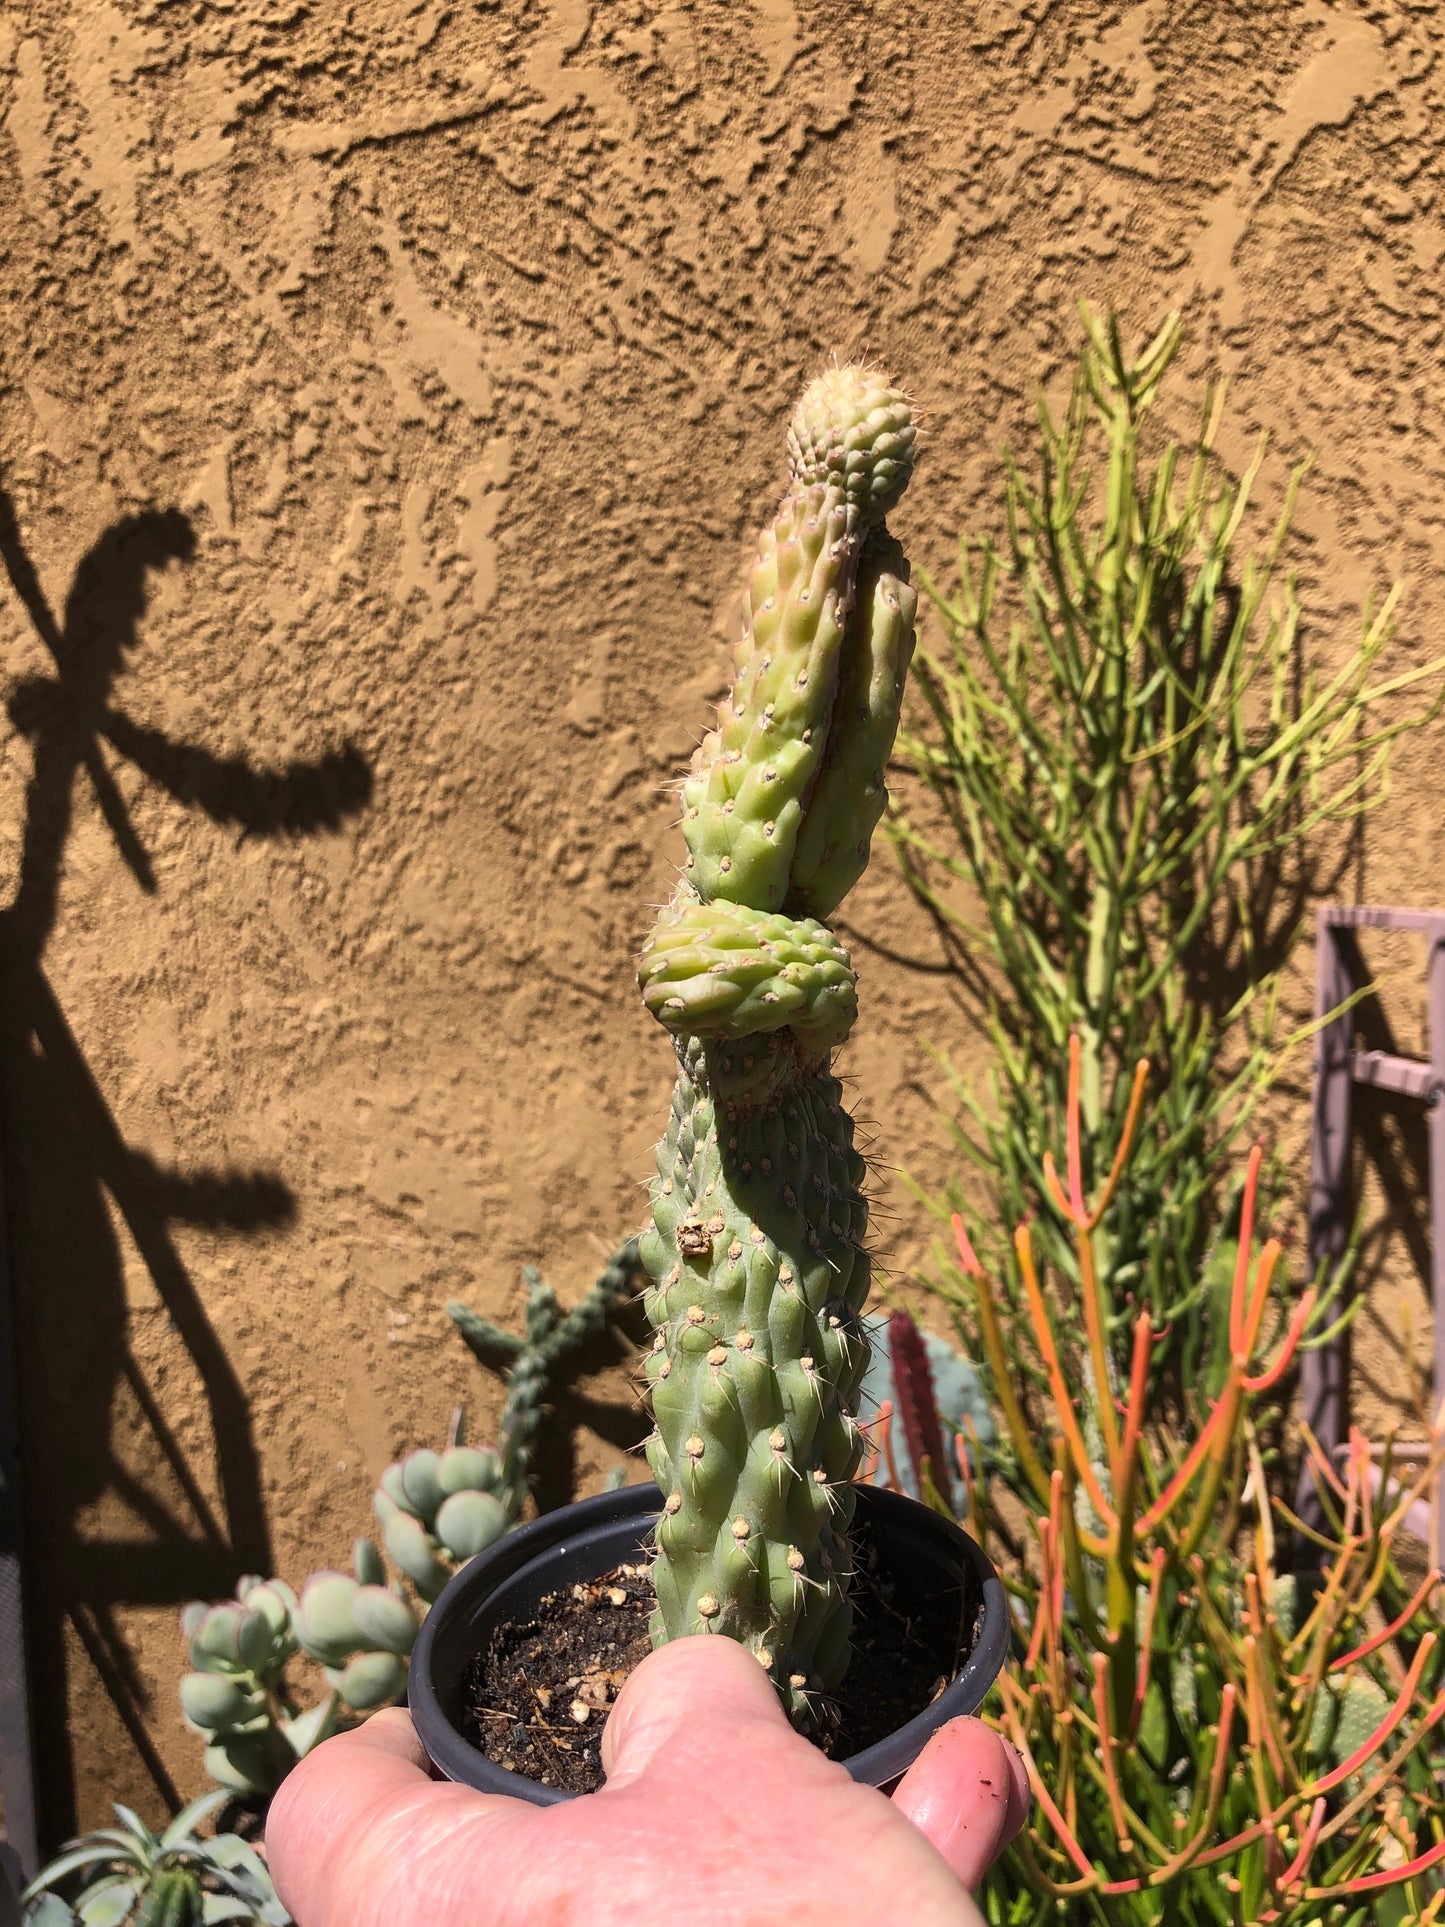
column 756, row 1251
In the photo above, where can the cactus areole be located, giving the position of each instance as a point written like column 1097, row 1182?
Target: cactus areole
column 757, row 1251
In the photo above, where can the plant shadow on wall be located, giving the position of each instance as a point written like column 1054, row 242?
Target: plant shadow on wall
column 72, row 1174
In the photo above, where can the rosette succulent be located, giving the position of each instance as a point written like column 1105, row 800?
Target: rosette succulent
column 127, row 1876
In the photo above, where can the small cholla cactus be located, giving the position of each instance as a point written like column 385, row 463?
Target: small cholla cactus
column 533, row 1362
column 756, row 1251
column 126, row 1876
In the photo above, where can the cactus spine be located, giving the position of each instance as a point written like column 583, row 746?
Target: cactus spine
column 756, row 1251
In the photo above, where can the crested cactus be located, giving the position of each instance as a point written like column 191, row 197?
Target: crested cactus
column 756, row 1251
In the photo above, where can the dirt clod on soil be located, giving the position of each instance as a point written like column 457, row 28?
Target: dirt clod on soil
column 536, row 1700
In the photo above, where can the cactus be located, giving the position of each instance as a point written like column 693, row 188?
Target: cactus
column 552, row 1337
column 917, row 1402
column 756, row 1251
column 129, row 1877
column 961, row 1409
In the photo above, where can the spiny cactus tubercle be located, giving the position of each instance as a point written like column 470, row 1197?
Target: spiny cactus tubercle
column 756, row 1252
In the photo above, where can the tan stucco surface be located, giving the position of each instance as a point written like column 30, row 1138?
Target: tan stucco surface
column 457, row 338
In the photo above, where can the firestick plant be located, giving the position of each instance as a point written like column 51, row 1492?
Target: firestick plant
column 756, row 1251
column 1209, row 1739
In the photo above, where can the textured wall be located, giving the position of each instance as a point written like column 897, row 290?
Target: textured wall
column 386, row 392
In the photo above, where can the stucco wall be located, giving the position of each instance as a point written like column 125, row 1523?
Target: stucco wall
column 436, row 357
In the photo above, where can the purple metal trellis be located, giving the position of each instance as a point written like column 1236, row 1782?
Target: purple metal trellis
column 1338, row 1067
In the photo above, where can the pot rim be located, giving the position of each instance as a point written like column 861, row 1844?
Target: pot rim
column 568, row 1533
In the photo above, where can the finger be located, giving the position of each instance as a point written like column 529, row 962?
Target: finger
column 389, row 1731
column 968, row 1794
column 705, row 1693
column 348, row 1809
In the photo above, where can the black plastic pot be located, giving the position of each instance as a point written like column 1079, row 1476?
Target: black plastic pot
column 924, row 1555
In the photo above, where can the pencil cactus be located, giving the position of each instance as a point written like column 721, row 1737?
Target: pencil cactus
column 1208, row 1739
column 756, row 1251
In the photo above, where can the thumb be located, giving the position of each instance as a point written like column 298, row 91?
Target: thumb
column 968, row 1794
column 706, row 1694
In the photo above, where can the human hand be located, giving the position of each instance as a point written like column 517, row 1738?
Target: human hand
column 715, row 1813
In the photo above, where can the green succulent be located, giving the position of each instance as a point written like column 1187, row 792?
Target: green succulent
column 236, row 1693
column 436, row 1510
column 127, row 1875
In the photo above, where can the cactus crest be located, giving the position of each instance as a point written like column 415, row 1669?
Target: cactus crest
column 852, row 428
column 757, row 1248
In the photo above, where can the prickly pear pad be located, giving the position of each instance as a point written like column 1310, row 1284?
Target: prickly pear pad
column 757, row 1249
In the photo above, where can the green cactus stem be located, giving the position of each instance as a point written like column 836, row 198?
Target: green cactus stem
column 757, row 1247
column 534, row 1362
